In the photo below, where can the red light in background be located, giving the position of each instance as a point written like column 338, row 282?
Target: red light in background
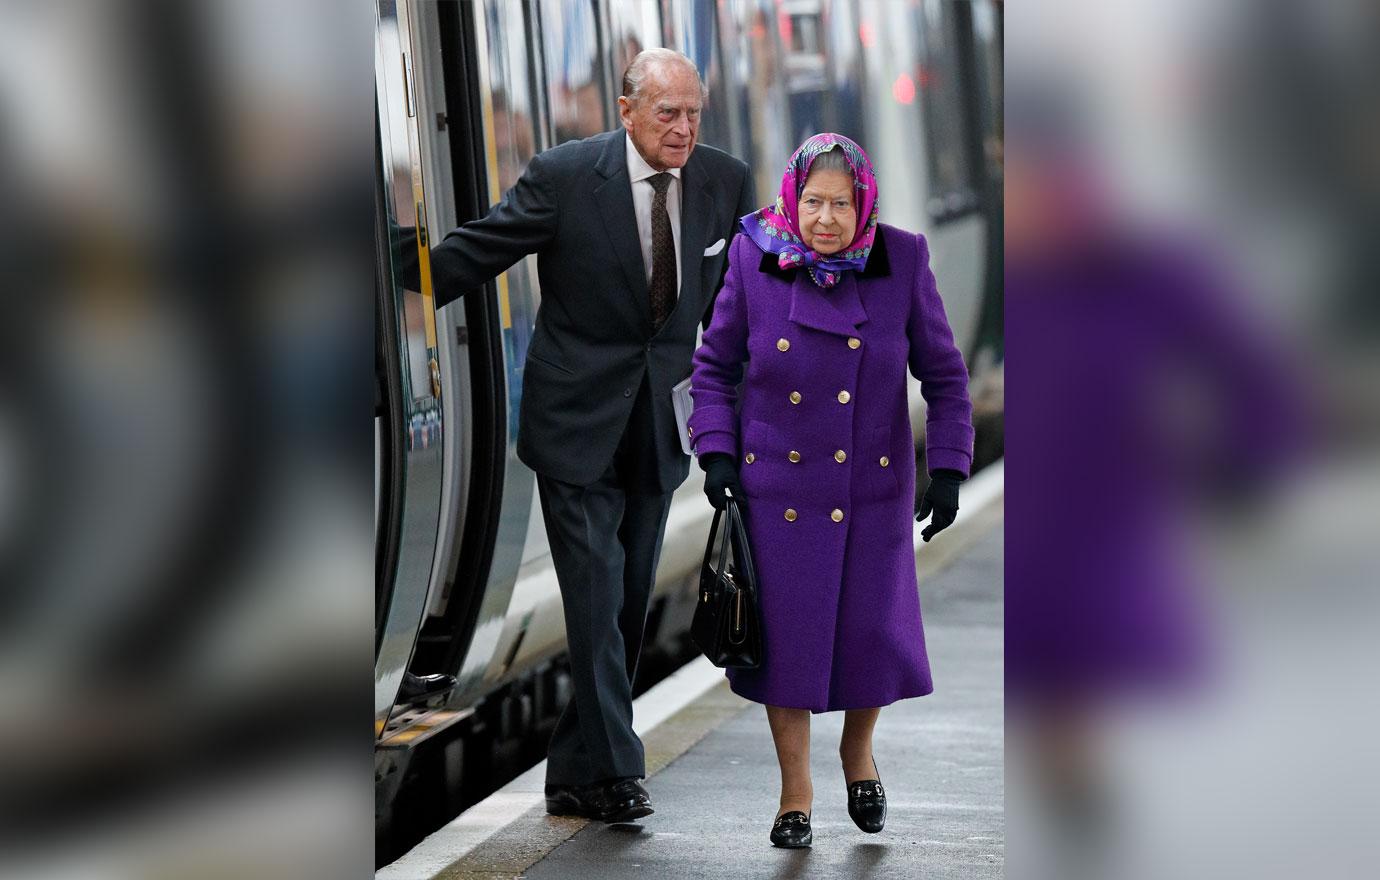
column 865, row 35
column 903, row 90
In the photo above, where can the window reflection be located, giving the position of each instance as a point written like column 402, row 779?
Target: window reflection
column 512, row 107
column 632, row 26
column 801, row 26
column 938, row 80
column 987, row 33
column 510, row 92
column 766, row 97
column 696, row 33
column 579, row 107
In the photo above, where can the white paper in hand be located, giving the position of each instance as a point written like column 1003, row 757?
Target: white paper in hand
column 683, row 405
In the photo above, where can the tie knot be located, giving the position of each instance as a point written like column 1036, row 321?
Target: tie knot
column 660, row 182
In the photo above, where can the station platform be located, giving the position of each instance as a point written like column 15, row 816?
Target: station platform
column 713, row 778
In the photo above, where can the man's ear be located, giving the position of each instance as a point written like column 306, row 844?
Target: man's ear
column 624, row 108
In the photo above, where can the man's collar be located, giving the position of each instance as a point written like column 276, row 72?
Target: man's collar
column 638, row 169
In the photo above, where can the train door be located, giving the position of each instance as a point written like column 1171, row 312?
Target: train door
column 471, row 347
column 481, row 118
column 407, row 375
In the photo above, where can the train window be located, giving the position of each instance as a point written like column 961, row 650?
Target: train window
column 515, row 115
column 938, row 82
column 801, row 23
column 508, row 49
column 632, row 27
column 755, row 102
column 987, row 39
column 694, row 31
column 843, row 50
column 575, row 88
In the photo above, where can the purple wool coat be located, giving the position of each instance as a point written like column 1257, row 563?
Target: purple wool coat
column 820, row 427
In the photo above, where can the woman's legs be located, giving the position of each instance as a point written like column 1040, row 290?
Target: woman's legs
column 855, row 748
column 790, row 730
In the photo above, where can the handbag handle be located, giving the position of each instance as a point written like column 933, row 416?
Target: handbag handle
column 723, row 548
column 742, row 554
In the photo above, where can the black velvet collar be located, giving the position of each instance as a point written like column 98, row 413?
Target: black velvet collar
column 878, row 266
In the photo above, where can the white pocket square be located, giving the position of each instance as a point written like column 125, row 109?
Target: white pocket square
column 714, row 248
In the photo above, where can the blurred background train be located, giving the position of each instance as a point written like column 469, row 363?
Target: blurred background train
column 467, row 92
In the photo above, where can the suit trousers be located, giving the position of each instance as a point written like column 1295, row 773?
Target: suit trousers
column 605, row 543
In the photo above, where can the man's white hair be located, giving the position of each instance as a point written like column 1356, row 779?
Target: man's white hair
column 656, row 59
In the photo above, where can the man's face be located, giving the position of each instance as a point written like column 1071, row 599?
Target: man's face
column 664, row 120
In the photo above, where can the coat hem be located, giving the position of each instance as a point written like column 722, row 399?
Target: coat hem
column 842, row 707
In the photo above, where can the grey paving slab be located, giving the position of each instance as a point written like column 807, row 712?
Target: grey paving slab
column 940, row 758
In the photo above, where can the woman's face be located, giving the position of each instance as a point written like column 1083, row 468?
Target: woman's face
column 828, row 217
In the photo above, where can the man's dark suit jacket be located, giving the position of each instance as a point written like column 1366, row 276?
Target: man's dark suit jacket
column 593, row 342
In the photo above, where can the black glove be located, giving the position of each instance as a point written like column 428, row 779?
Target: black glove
column 942, row 498
column 720, row 473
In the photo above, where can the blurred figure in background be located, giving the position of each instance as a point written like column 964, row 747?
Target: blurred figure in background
column 1139, row 388
column 1188, row 665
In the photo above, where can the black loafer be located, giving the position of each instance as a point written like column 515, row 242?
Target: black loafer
column 792, row 831
column 619, row 800
column 624, row 801
column 867, row 803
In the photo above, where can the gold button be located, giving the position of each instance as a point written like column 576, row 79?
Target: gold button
column 690, row 431
column 750, row 458
column 854, row 342
column 885, row 461
column 783, row 344
column 790, row 514
column 837, row 515
column 840, row 456
column 795, row 397
column 844, row 397
column 793, row 455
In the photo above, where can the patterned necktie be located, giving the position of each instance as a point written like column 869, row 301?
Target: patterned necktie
column 663, row 287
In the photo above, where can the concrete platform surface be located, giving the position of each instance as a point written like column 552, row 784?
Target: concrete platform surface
column 714, row 781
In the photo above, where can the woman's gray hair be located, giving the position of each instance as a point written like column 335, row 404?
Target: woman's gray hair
column 831, row 159
column 649, row 59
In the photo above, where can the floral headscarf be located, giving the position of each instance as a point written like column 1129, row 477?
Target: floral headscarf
column 776, row 228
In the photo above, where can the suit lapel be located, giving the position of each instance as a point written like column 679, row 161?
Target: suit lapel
column 696, row 213
column 614, row 197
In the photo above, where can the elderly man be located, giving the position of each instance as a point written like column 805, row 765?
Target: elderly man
column 631, row 229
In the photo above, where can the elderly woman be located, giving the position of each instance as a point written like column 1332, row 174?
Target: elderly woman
column 821, row 312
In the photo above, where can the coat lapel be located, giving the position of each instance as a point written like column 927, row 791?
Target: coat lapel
column 838, row 310
column 614, row 197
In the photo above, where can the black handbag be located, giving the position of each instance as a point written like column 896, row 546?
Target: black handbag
column 726, row 626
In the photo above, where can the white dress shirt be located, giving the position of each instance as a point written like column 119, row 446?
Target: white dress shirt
column 639, row 172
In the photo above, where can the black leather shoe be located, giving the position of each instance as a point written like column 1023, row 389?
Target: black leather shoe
column 625, row 800
column 867, row 803
column 792, row 831
column 618, row 800
column 419, row 688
